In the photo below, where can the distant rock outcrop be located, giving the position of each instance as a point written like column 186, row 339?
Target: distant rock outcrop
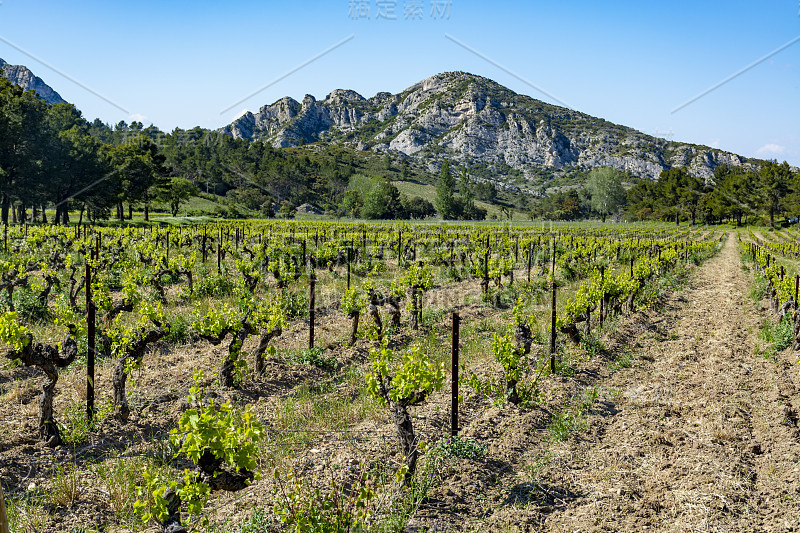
column 474, row 120
column 23, row 77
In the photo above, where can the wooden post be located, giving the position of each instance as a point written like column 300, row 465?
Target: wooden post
column 454, row 378
column 553, row 317
column 3, row 515
column 90, row 351
column 311, row 305
column 486, row 268
column 530, row 257
column 219, row 253
column 347, row 251
column 602, row 296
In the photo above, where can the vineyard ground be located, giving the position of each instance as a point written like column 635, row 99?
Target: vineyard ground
column 699, row 433
column 689, row 427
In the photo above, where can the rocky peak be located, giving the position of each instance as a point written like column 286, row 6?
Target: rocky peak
column 473, row 120
column 341, row 96
column 23, row 77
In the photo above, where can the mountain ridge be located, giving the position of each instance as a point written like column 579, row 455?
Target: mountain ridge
column 25, row 78
column 474, row 120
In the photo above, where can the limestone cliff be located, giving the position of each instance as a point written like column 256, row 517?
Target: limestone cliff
column 473, row 120
column 23, row 77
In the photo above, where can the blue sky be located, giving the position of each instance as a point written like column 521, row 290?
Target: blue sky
column 181, row 63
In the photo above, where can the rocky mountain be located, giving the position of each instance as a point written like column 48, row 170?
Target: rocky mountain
column 477, row 122
column 27, row 80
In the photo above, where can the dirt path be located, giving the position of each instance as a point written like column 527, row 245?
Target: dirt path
column 703, row 434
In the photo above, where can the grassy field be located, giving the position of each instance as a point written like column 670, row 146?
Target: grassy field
column 428, row 192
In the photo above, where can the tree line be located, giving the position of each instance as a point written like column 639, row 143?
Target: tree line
column 50, row 156
column 737, row 194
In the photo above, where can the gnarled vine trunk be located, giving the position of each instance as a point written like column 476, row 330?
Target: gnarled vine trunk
column 372, row 309
column 48, row 360
column 354, row 330
column 263, row 344
column 522, row 343
column 394, row 310
column 405, row 433
column 416, row 307
column 134, row 353
column 571, row 330
column 234, row 352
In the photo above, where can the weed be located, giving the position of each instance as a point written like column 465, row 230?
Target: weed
column 433, row 318
column 26, row 516
column 564, row 367
column 592, row 345
column 296, row 303
column 612, row 394
column 164, row 451
column 573, row 419
column 778, row 335
column 458, row 447
column 563, row 424
column 120, row 477
column 257, row 522
column 399, row 510
column 534, row 468
column 623, row 360
column 759, row 288
column 588, row 398
column 502, row 298
column 10, row 364
column 301, row 507
column 213, row 285
column 73, row 424
column 297, row 417
column 180, row 331
column 27, row 303
column 311, row 357
column 65, row 482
